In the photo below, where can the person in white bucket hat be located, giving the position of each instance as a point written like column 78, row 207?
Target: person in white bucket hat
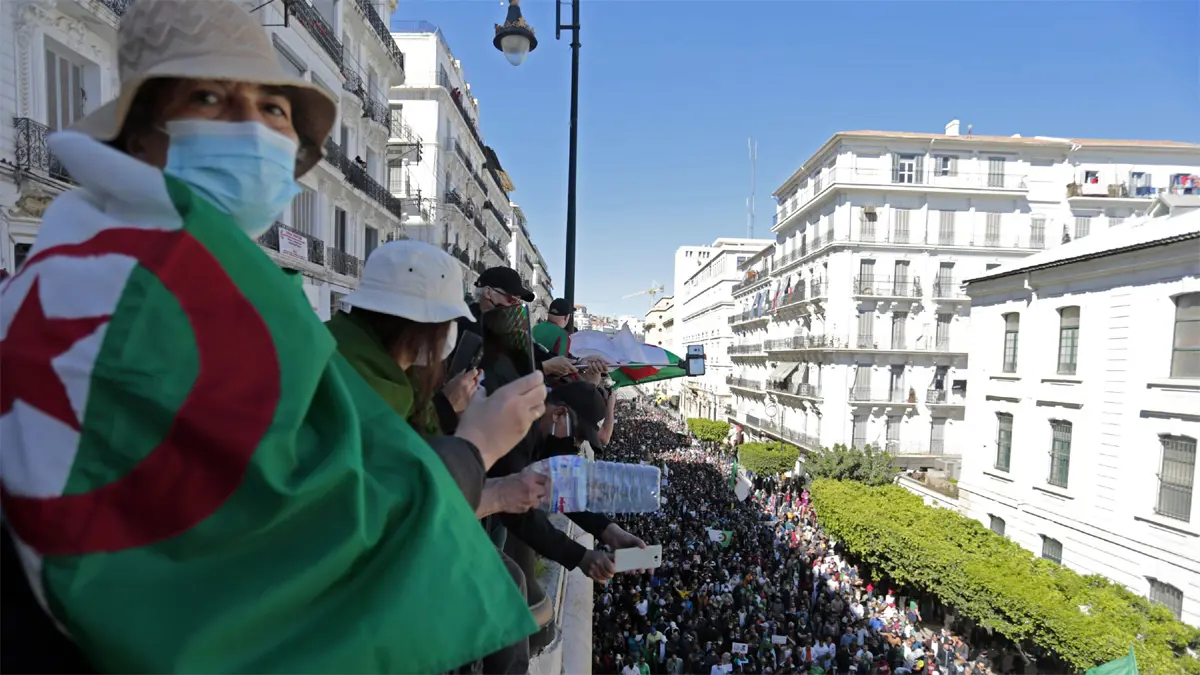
column 402, row 315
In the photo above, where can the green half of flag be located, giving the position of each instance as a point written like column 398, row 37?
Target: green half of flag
column 238, row 499
column 656, row 369
column 1126, row 665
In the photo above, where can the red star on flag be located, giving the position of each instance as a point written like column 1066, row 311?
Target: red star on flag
column 26, row 355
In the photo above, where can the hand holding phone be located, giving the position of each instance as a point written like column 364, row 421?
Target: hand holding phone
column 649, row 558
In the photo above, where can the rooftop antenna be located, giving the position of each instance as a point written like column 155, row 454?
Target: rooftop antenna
column 752, row 146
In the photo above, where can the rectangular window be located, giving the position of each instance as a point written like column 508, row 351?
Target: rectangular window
column 893, row 433
column 937, row 436
column 862, row 384
column 1012, row 326
column 991, row 235
column 1060, row 453
column 946, row 165
column 339, row 229
column 866, row 277
column 370, row 241
column 1068, row 340
column 304, row 212
column 1176, row 477
column 901, row 235
column 1052, row 549
column 290, row 63
column 946, row 228
column 1037, row 232
column 1185, row 353
column 996, row 525
column 996, row 172
column 64, row 91
column 906, row 168
column 867, row 226
column 1004, row 429
column 1168, row 596
column 943, row 283
column 899, row 319
column 1083, row 226
column 900, row 285
column 860, row 432
column 896, row 392
column 866, row 326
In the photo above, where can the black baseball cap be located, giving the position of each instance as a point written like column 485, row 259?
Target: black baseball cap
column 560, row 307
column 507, row 280
column 588, row 404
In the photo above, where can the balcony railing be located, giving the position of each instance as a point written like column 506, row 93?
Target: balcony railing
column 319, row 28
column 749, row 315
column 744, row 383
column 32, row 153
column 479, row 266
column 360, row 179
column 758, row 278
column 888, row 287
column 943, row 397
column 865, row 394
column 293, row 242
column 755, row 348
column 500, row 217
column 843, row 342
column 117, row 7
column 802, row 390
column 382, row 32
column 948, row 288
column 343, row 263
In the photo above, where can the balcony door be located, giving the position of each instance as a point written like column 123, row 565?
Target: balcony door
column 64, row 90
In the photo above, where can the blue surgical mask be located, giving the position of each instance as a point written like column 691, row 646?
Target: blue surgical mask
column 243, row 168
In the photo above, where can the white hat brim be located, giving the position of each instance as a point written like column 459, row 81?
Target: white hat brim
column 421, row 310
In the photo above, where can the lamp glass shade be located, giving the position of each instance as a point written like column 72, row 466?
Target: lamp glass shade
column 515, row 48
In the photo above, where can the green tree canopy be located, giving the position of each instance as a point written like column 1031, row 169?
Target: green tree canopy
column 768, row 459
column 712, row 431
column 870, row 466
column 1085, row 620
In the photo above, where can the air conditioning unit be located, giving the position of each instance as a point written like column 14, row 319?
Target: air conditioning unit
column 868, row 209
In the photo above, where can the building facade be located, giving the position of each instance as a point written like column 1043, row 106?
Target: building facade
column 463, row 189
column 660, row 324
column 704, row 279
column 854, row 330
column 1085, row 407
column 527, row 260
column 60, row 64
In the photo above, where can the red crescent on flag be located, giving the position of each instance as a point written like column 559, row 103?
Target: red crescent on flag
column 204, row 456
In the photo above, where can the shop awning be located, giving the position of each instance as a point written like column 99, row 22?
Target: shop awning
column 782, row 371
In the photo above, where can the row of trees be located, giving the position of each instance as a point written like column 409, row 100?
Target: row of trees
column 1085, row 620
column 709, row 431
column 768, row 459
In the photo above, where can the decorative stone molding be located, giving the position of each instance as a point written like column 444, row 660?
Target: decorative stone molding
column 31, row 204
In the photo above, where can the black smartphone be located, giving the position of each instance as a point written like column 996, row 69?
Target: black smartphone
column 467, row 355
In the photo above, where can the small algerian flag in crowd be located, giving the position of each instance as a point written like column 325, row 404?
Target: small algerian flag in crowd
column 632, row 362
column 722, row 537
column 195, row 479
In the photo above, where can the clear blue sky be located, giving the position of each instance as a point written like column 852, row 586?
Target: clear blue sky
column 670, row 90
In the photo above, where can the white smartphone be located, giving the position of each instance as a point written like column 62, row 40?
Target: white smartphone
column 649, row 558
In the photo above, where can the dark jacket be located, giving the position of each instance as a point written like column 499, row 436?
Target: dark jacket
column 365, row 353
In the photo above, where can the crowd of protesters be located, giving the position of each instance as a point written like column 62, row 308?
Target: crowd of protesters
column 777, row 596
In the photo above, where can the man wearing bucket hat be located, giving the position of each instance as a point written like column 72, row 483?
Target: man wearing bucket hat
column 200, row 482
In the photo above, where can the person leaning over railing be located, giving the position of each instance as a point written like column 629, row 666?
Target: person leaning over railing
column 198, row 481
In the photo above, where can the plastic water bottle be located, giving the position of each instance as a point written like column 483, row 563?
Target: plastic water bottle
column 578, row 484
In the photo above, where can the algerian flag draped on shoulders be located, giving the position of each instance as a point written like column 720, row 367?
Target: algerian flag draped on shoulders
column 633, row 362
column 196, row 480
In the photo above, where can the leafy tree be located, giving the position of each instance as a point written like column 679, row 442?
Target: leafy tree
column 1085, row 620
column 871, row 466
column 768, row 459
column 709, row 431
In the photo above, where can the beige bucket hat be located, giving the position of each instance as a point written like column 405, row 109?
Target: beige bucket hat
column 207, row 40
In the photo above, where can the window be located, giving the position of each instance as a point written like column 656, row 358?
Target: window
column 1139, row 183
column 64, row 91
column 1168, row 596
column 900, row 279
column 937, row 436
column 901, row 234
column 1012, row 326
column 1185, row 354
column 996, row 172
column 905, row 169
column 943, row 283
column 370, row 241
column 899, row 319
column 862, row 384
column 946, row 165
column 20, row 253
column 289, row 62
column 896, row 385
column 304, row 212
column 866, row 276
column 1083, row 226
column 1004, row 429
column 996, row 525
column 866, row 325
column 1068, row 340
column 893, row 433
column 1037, row 232
column 860, row 432
column 1091, row 177
column 942, row 332
column 1052, row 549
column 946, row 228
column 1060, row 453
column 1176, row 477
column 339, row 229
column 991, row 235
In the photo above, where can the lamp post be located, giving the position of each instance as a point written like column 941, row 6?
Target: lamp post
column 516, row 39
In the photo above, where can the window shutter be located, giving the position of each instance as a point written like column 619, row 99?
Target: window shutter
column 920, row 170
column 953, row 166
column 895, row 167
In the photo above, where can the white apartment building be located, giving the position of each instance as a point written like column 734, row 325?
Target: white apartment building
column 660, row 324
column 527, row 260
column 856, row 328
column 704, row 279
column 1085, row 406
column 59, row 64
column 463, row 189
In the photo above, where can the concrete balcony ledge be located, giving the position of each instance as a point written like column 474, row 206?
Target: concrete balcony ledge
column 570, row 594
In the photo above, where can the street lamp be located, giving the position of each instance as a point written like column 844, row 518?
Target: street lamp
column 515, row 38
